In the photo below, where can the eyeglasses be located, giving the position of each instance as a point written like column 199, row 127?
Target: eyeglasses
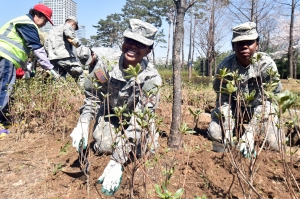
column 246, row 42
column 137, row 44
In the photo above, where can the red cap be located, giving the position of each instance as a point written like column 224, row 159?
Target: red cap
column 45, row 10
column 19, row 73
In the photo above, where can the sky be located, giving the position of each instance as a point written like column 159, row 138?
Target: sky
column 89, row 12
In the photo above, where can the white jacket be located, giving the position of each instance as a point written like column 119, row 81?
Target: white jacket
column 57, row 44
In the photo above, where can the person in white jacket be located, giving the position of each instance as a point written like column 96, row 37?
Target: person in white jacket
column 59, row 45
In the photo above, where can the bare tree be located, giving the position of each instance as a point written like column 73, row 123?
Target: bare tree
column 168, row 11
column 182, row 48
column 291, row 39
column 211, row 40
column 182, row 6
column 193, row 16
column 210, row 31
column 190, row 48
column 262, row 12
column 286, row 36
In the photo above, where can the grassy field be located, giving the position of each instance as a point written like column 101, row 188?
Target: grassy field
column 291, row 85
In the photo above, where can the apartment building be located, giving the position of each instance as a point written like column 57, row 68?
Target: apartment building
column 61, row 9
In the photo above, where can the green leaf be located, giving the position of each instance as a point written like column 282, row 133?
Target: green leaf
column 158, row 191
column 132, row 71
column 164, row 186
column 178, row 193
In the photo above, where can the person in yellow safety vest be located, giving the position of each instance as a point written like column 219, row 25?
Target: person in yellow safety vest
column 18, row 37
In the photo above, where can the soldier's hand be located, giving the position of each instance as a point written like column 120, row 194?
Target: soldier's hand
column 54, row 74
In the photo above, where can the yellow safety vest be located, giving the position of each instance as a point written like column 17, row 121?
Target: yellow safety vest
column 12, row 46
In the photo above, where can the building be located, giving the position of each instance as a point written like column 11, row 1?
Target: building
column 61, row 9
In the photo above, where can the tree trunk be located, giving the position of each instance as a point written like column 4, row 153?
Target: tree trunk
column 211, row 49
column 290, row 49
column 174, row 139
column 190, row 49
column 193, row 38
column 182, row 49
column 253, row 11
column 168, row 50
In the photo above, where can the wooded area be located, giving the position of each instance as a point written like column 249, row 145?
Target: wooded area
column 207, row 28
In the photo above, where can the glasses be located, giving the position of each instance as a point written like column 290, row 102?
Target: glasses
column 246, row 43
column 137, row 44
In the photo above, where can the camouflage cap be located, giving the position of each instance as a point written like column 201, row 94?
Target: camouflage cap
column 84, row 55
column 141, row 31
column 245, row 31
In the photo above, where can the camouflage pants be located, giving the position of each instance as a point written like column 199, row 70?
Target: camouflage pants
column 68, row 65
column 111, row 140
column 261, row 122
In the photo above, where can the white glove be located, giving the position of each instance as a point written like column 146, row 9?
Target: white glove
column 54, row 74
column 228, row 138
column 247, row 145
column 111, row 178
column 80, row 135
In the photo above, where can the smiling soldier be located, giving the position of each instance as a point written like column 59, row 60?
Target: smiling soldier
column 111, row 81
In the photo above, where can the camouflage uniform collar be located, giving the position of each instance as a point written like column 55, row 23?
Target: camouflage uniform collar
column 240, row 65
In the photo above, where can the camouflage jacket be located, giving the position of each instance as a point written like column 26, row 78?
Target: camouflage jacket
column 57, row 44
column 108, row 77
column 252, row 79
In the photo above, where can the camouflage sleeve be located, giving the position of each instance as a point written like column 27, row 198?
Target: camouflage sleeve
column 217, row 85
column 92, row 90
column 268, row 64
column 89, row 109
column 69, row 32
column 150, row 86
column 216, row 81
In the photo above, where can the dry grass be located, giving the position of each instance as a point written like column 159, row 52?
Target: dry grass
column 291, row 85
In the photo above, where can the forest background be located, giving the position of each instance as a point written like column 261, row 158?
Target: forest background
column 207, row 30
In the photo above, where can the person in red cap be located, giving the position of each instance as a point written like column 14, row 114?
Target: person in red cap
column 18, row 37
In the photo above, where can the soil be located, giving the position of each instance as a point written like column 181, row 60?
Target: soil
column 31, row 167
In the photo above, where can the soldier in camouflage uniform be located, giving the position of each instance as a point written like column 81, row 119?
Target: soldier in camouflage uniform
column 254, row 72
column 107, row 77
column 59, row 46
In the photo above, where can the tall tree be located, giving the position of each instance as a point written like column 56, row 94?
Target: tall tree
column 159, row 39
column 211, row 39
column 109, row 31
column 145, row 10
column 250, row 10
column 291, row 39
column 92, row 42
column 262, row 12
column 211, row 31
column 286, row 37
column 194, row 15
column 190, row 47
column 166, row 9
column 182, row 48
column 182, row 6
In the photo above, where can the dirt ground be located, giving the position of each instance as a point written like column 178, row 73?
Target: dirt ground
column 32, row 167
